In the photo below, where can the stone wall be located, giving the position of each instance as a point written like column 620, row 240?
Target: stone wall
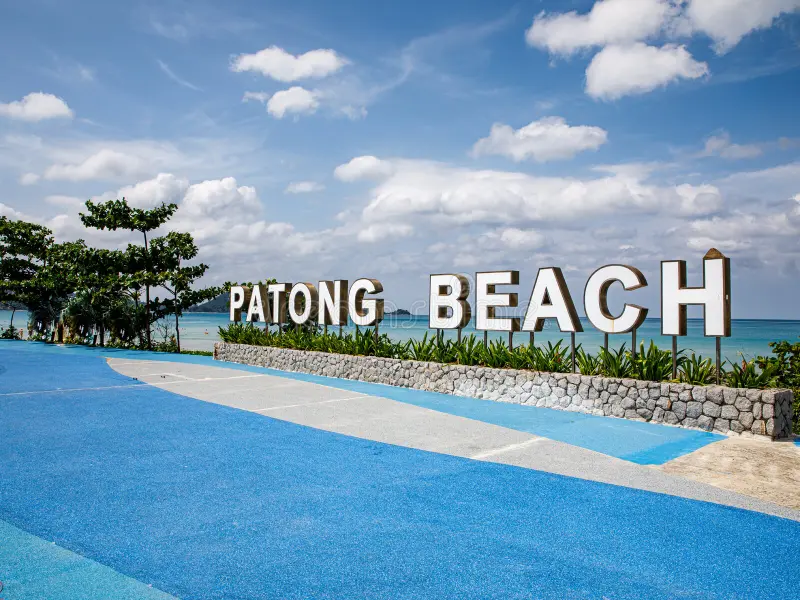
column 766, row 413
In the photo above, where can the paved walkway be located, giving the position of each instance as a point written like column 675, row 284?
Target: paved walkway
column 371, row 417
column 112, row 485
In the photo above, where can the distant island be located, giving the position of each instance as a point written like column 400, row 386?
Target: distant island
column 220, row 305
column 216, row 305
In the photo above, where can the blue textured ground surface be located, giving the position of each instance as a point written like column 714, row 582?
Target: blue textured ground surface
column 642, row 443
column 204, row 501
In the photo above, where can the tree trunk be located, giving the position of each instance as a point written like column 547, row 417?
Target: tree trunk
column 136, row 303
column 102, row 336
column 177, row 324
column 147, row 287
column 11, row 324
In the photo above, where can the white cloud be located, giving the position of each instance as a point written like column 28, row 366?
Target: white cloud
column 105, row 164
column 278, row 64
column 728, row 21
column 608, row 22
column 692, row 200
column 295, row 100
column 304, row 187
column 7, row 211
column 257, row 96
column 618, row 71
column 378, row 232
column 439, row 193
column 164, row 188
column 36, row 106
column 29, row 179
column 219, row 197
column 721, row 145
column 363, row 167
column 515, row 239
column 550, row 138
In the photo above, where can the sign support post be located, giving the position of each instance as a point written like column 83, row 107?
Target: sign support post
column 572, row 349
column 674, row 356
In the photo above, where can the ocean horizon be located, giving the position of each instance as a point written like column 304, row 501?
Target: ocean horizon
column 749, row 337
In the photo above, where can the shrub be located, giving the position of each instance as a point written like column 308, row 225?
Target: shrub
column 698, row 371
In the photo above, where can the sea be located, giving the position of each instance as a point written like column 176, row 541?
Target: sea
column 749, row 337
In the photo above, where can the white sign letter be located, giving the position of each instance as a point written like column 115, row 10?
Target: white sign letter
column 365, row 312
column 487, row 301
column 239, row 296
column 550, row 299
column 259, row 302
column 449, row 308
column 714, row 296
column 303, row 302
column 595, row 299
column 333, row 302
column 278, row 293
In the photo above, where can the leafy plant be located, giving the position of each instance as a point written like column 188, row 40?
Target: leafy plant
column 588, row 364
column 748, row 375
column 552, row 358
column 786, row 364
column 469, row 351
column 655, row 364
column 496, row 354
column 698, row 371
column 423, row 349
column 616, row 363
column 10, row 334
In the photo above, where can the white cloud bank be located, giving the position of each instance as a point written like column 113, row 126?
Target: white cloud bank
column 625, row 64
column 728, row 21
column 276, row 63
column 608, row 22
column 304, row 187
column 410, row 190
column 550, row 138
column 296, row 100
column 36, row 107
column 618, row 71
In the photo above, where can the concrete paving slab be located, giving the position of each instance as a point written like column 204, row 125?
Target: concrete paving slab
column 389, row 421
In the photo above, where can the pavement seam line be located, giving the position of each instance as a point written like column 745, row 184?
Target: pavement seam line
column 504, row 449
column 309, row 403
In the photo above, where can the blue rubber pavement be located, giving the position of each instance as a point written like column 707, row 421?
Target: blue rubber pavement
column 36, row 569
column 205, row 501
column 637, row 442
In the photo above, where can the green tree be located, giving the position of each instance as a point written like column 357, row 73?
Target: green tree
column 23, row 252
column 168, row 254
column 118, row 214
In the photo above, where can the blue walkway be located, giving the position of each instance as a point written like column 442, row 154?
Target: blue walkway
column 641, row 443
column 204, row 501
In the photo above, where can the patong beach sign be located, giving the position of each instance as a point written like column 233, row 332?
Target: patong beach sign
column 333, row 302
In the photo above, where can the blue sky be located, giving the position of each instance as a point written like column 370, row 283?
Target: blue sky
column 482, row 135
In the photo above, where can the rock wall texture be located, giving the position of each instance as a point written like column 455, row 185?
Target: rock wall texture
column 766, row 413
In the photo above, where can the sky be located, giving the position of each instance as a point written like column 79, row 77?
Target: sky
column 319, row 140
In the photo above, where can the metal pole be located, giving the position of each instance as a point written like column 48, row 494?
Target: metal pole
column 376, row 332
column 633, row 344
column 674, row 356
column 326, row 330
column 719, row 360
column 340, row 329
column 459, row 335
column 532, row 339
column 572, row 348
column 485, row 338
column 605, row 341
